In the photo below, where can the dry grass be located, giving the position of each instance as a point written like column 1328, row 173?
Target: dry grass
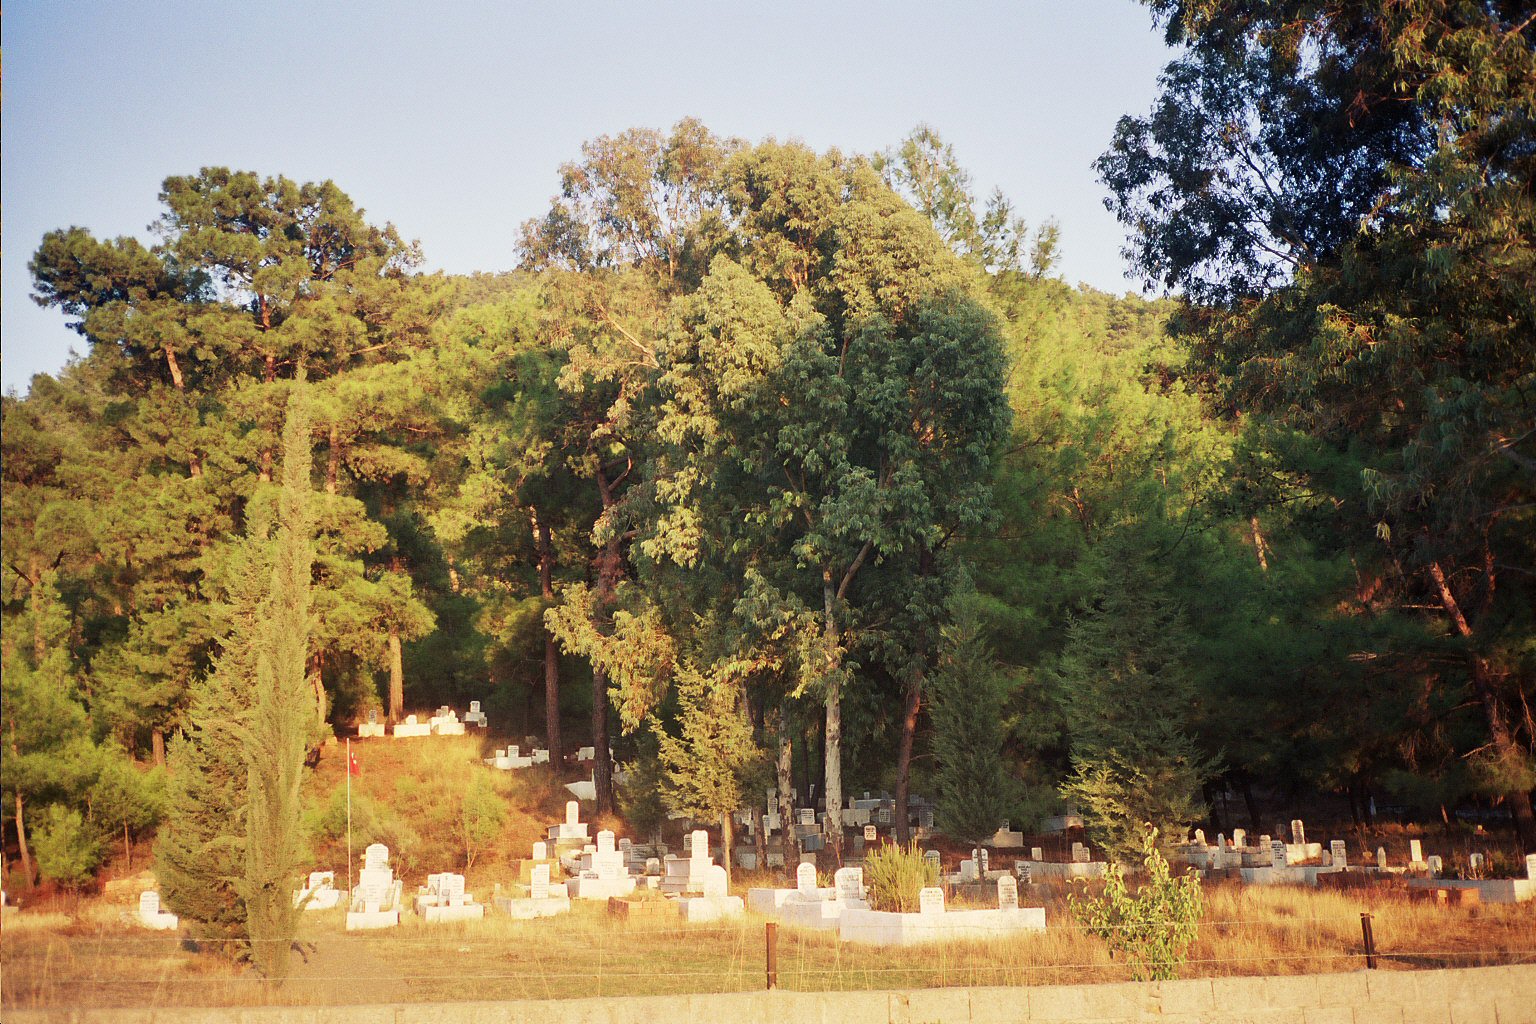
column 95, row 958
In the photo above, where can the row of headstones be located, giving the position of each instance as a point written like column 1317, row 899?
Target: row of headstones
column 930, row 899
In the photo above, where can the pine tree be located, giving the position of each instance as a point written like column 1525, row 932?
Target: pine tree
column 280, row 720
column 1127, row 692
column 971, row 788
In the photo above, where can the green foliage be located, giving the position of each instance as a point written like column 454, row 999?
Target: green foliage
column 481, row 813
column 972, row 789
column 704, row 765
column 1153, row 927
column 895, row 874
column 277, row 728
column 640, row 796
column 68, row 850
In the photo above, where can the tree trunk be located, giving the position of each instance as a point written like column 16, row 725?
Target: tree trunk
column 551, row 654
column 127, row 848
column 21, row 842
column 602, row 764
column 914, row 698
column 727, row 843
column 317, row 686
column 784, row 767
column 396, row 677
column 1504, row 743
column 268, row 374
column 1250, row 803
column 760, row 837
column 194, row 464
column 157, row 745
column 833, row 754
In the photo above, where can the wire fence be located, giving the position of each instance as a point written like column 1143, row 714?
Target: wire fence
column 590, row 953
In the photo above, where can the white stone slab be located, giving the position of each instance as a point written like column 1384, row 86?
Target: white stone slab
column 881, row 928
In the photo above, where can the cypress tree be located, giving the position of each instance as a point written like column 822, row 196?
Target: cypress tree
column 279, row 723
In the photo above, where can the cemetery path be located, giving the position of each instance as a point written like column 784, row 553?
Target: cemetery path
column 342, row 969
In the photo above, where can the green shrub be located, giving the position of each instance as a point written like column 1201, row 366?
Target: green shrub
column 1153, row 928
column 481, row 812
column 895, row 874
column 68, row 852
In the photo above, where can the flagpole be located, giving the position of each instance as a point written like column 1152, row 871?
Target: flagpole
column 349, row 818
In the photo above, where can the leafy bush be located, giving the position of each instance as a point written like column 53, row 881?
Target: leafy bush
column 481, row 813
column 895, row 874
column 68, row 852
column 1153, row 928
column 371, row 823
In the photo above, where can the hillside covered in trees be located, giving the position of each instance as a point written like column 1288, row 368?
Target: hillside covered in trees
column 768, row 465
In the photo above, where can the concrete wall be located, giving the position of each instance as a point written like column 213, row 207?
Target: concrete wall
column 1481, row 995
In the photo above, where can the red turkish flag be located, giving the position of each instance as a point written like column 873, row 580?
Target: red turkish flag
column 352, row 766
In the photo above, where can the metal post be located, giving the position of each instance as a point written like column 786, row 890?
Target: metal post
column 773, row 954
column 1370, row 942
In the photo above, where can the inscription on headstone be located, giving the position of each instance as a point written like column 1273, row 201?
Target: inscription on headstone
column 1339, row 851
column 1277, row 854
column 871, row 834
column 805, row 879
column 538, row 882
column 1007, row 893
column 930, row 900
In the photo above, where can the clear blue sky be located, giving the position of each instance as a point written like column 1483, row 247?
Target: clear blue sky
column 449, row 119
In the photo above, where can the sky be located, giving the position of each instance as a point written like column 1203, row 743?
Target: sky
column 451, row 118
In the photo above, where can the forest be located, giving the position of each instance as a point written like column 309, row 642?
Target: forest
column 776, row 469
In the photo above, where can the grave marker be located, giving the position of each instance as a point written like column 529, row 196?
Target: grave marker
column 1338, row 850
column 1199, row 837
column 930, row 900
column 1415, row 852
column 540, row 851
column 849, row 883
column 538, row 882
column 572, row 812
column 1239, row 838
column 1298, row 831
column 807, row 816
column 1475, row 863
column 805, row 879
column 1530, row 866
column 1025, row 875
column 1277, row 854
column 1036, row 853
column 871, row 834
column 1007, row 893
column 1436, row 865
column 1381, row 858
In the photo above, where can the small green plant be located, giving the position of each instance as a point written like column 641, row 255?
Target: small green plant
column 895, row 874
column 1153, row 928
column 481, row 812
column 68, row 852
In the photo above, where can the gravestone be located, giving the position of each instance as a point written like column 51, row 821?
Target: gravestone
column 540, row 851
column 1221, row 840
column 538, row 885
column 1436, row 865
column 1277, row 854
column 1530, row 866
column 1381, row 858
column 849, row 883
column 716, row 882
column 1079, row 853
column 572, row 812
column 605, row 842
column 1025, row 875
column 1415, row 852
column 986, row 861
column 1338, row 851
column 930, row 900
column 871, row 834
column 932, row 857
column 805, row 879
column 1199, row 837
column 807, row 816
column 1298, row 831
column 1475, row 863
column 376, row 856
column 1239, row 838
column 924, row 817
column 1263, row 842
column 1007, row 893
column 149, row 904
column 373, row 716
column 1036, row 853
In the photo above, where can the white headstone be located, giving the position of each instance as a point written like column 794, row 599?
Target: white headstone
column 1298, row 831
column 1263, row 842
column 540, row 851
column 1530, row 866
column 699, row 850
column 1239, row 838
column 1199, row 837
column 376, row 856
column 572, row 812
column 1007, row 893
column 1338, row 850
column 807, row 816
column 1025, row 875
column 1436, row 865
column 1381, row 858
column 605, row 841
column 1079, row 853
column 986, row 860
column 1277, row 854
column 1415, row 852
column 932, row 857
column 805, row 879
column 930, row 900
column 871, row 834
column 474, row 707
column 1221, row 840
column 1475, row 862
column 149, row 904
column 715, row 881
column 1036, row 853
column 849, row 883
column 538, row 882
